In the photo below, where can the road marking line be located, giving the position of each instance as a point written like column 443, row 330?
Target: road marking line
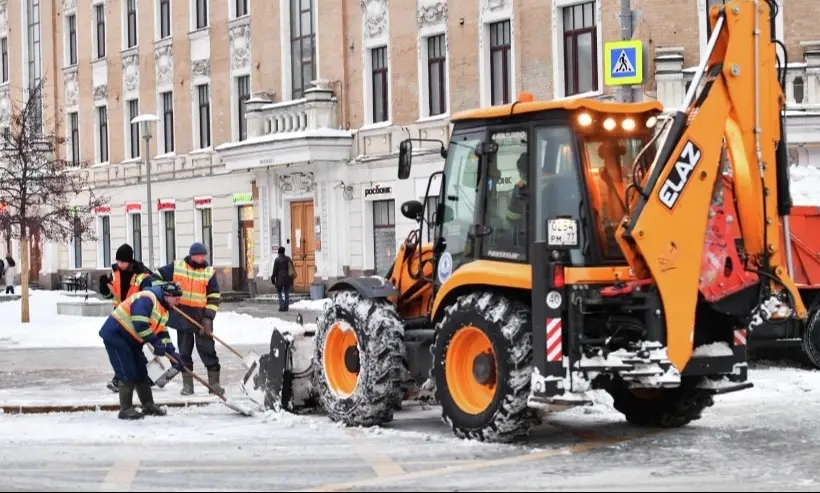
column 121, row 475
column 472, row 466
column 382, row 464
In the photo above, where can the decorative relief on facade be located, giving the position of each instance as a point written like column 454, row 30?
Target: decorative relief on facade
column 4, row 16
column 374, row 13
column 131, row 72
column 69, row 5
column 101, row 93
column 72, row 89
column 494, row 5
column 297, row 183
column 164, row 61
column 240, row 38
column 431, row 13
column 201, row 68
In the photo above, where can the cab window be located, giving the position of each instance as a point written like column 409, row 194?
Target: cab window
column 507, row 196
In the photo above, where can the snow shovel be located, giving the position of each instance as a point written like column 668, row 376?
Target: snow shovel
column 248, row 360
column 233, row 405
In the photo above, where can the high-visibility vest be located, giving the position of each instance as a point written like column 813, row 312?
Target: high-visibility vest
column 133, row 286
column 156, row 322
column 194, row 283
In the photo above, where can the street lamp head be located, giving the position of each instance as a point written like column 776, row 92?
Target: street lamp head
column 145, row 122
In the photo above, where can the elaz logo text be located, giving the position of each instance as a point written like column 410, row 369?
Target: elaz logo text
column 679, row 176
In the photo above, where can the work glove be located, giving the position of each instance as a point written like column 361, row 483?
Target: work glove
column 159, row 347
column 105, row 280
column 179, row 365
column 207, row 327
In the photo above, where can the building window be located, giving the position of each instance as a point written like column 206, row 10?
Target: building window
column 580, row 49
column 131, row 23
column 78, row 244
column 243, row 94
column 380, row 99
column 204, row 115
column 4, row 47
column 170, row 237
column 136, row 235
column 207, row 233
column 134, row 133
column 34, row 60
column 168, row 120
column 102, row 132
column 241, row 7
column 72, row 40
column 106, row 241
column 99, row 13
column 74, row 126
column 384, row 235
column 164, row 18
column 500, row 62
column 437, row 74
column 201, row 14
column 302, row 46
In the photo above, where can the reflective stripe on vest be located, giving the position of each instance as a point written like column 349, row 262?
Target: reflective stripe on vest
column 133, row 286
column 156, row 322
column 194, row 283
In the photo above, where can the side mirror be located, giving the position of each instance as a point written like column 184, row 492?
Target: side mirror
column 405, row 159
column 412, row 209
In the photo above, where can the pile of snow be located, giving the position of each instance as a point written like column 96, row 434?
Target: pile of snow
column 311, row 305
column 49, row 329
column 805, row 185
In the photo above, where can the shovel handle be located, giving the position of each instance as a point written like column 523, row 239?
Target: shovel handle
column 197, row 378
column 199, row 326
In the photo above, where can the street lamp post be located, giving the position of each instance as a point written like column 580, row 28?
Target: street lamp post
column 145, row 122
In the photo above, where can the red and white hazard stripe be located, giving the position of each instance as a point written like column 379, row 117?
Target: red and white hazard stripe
column 740, row 337
column 554, row 349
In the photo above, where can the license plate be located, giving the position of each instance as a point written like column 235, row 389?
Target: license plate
column 562, row 233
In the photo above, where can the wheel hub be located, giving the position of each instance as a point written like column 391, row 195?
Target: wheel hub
column 352, row 362
column 484, row 370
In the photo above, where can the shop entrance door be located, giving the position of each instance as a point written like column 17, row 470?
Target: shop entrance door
column 303, row 244
column 245, row 246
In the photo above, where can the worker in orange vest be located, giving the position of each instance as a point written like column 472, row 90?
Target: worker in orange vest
column 127, row 277
column 141, row 318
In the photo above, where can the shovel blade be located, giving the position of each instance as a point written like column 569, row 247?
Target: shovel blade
column 238, row 407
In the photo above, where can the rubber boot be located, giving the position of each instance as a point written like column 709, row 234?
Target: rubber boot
column 213, row 381
column 113, row 385
column 147, row 400
column 187, row 385
column 127, row 410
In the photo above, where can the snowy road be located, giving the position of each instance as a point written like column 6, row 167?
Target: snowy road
column 760, row 439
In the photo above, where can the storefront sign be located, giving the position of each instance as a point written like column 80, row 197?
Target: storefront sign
column 133, row 207
column 266, row 161
column 202, row 202
column 166, row 205
column 103, row 210
column 378, row 190
column 244, row 198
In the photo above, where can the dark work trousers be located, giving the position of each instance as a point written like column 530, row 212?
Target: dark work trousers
column 283, row 303
column 204, row 347
column 127, row 359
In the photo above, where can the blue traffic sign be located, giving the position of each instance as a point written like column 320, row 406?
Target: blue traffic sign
column 624, row 63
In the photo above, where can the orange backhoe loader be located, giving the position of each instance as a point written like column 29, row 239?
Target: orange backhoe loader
column 579, row 245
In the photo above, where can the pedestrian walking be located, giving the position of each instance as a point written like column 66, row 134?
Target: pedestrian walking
column 283, row 275
column 9, row 274
column 200, row 300
column 141, row 318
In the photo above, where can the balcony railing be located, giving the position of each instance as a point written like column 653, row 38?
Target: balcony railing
column 317, row 110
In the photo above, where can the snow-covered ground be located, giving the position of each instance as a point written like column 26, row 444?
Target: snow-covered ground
column 48, row 329
column 311, row 305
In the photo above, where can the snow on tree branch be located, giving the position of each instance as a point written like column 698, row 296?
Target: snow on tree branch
column 39, row 190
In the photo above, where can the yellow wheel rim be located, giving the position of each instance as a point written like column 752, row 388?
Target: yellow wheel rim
column 340, row 340
column 470, row 370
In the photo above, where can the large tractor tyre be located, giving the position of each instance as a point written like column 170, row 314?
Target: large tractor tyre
column 482, row 367
column 660, row 408
column 811, row 338
column 359, row 355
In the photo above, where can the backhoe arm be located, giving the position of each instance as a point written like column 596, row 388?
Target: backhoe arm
column 741, row 103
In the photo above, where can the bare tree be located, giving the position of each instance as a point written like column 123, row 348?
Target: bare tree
column 41, row 194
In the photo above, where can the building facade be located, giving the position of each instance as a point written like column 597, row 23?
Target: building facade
column 280, row 120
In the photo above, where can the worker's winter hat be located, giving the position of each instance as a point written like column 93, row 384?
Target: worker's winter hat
column 198, row 249
column 125, row 253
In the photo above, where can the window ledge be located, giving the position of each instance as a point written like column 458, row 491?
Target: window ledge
column 100, row 165
column 166, row 41
column 4, row 84
column 69, row 69
column 133, row 160
column 376, row 126
column 580, row 95
column 166, row 156
column 99, row 61
column 134, row 50
column 204, row 150
column 435, row 118
column 199, row 33
column 240, row 21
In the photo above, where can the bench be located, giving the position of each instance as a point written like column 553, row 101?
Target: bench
column 75, row 283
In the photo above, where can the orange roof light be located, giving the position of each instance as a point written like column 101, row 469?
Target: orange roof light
column 525, row 97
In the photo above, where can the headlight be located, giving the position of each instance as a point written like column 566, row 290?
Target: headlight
column 609, row 124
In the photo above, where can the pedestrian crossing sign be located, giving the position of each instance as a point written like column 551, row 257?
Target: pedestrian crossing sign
column 624, row 63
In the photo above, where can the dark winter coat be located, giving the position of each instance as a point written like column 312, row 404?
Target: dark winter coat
column 279, row 276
